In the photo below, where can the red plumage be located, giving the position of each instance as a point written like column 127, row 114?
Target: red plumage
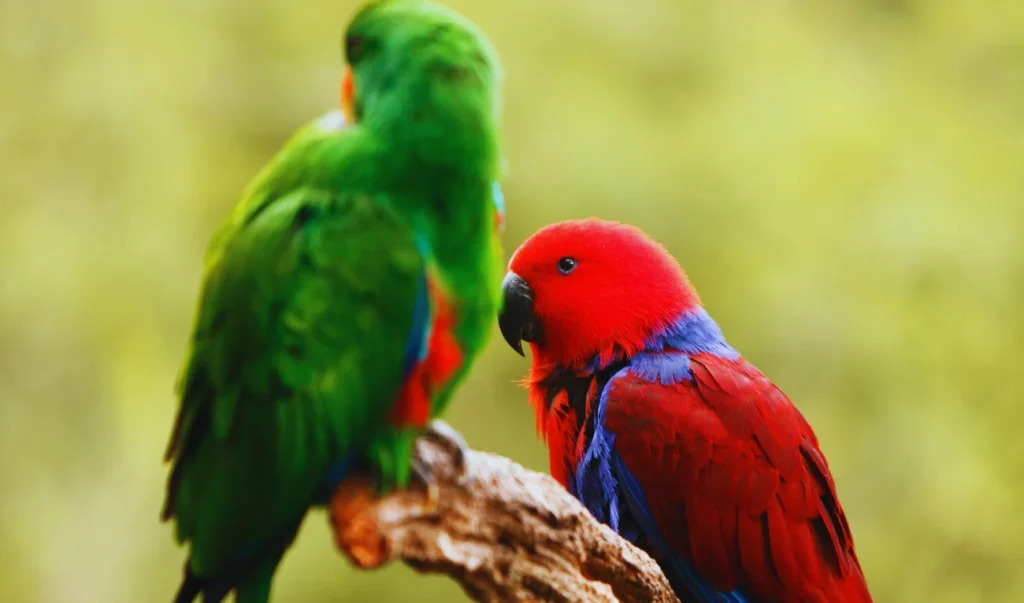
column 560, row 429
column 736, row 481
column 731, row 471
column 560, row 418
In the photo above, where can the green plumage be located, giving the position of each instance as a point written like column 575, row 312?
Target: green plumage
column 310, row 294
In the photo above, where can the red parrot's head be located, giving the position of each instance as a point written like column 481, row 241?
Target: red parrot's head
column 582, row 289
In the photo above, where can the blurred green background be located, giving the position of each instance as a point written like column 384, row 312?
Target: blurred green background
column 844, row 184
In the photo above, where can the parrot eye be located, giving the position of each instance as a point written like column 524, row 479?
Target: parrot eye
column 566, row 265
column 353, row 48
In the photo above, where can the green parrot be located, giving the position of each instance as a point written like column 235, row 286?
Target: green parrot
column 343, row 300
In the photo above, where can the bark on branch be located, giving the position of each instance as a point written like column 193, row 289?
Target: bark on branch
column 501, row 531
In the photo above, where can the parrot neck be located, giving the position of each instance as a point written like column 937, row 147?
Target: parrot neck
column 693, row 331
column 565, row 398
column 438, row 134
column 661, row 355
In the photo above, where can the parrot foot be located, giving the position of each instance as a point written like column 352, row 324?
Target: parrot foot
column 449, row 440
column 444, row 435
column 421, row 473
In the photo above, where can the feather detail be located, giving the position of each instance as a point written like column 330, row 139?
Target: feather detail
column 439, row 358
column 561, row 432
column 690, row 452
column 499, row 208
column 752, row 509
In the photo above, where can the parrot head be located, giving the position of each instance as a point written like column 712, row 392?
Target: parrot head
column 585, row 289
column 407, row 55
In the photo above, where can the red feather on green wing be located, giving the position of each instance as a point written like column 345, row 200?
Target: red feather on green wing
column 441, row 358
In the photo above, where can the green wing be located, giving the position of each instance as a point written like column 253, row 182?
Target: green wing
column 296, row 358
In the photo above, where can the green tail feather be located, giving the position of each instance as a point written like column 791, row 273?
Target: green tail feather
column 251, row 586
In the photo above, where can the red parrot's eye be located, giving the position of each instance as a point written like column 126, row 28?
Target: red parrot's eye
column 566, row 265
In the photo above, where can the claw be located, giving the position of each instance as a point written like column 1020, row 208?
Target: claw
column 423, row 476
column 444, row 435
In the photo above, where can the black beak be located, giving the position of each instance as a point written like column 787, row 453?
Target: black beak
column 517, row 321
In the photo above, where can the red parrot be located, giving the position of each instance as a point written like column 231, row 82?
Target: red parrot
column 664, row 432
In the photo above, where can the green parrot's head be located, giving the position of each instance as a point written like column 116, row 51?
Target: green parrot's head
column 413, row 60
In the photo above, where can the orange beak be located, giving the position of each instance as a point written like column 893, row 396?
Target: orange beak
column 348, row 91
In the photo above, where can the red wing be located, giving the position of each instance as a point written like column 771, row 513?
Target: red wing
column 734, row 478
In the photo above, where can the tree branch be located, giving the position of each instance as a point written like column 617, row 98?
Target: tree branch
column 503, row 532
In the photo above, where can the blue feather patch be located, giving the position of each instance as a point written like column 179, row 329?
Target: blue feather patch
column 416, row 346
column 666, row 358
column 661, row 367
column 499, row 203
column 419, row 332
column 595, row 485
column 694, row 332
